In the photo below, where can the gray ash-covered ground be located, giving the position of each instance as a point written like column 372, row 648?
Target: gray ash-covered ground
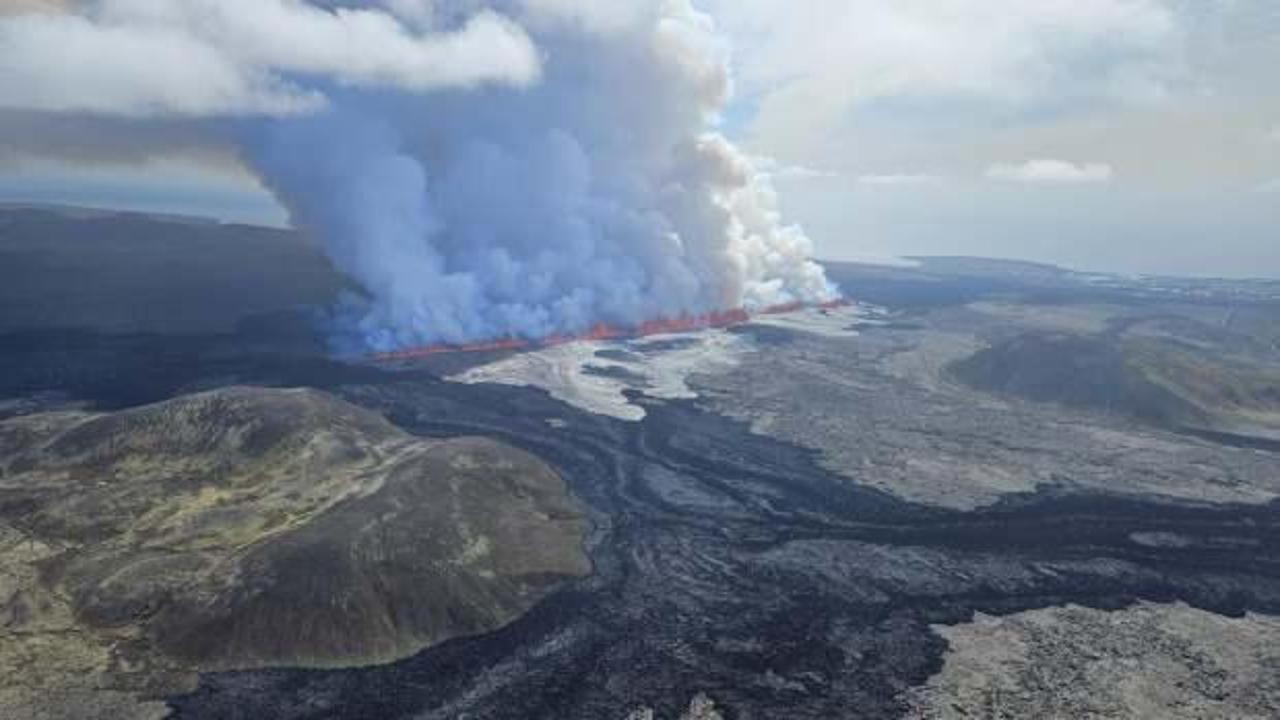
column 794, row 566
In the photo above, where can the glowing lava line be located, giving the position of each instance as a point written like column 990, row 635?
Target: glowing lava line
column 602, row 331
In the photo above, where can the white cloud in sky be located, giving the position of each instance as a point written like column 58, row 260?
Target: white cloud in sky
column 233, row 57
column 877, row 95
column 899, row 179
column 810, row 64
column 774, row 169
column 801, row 172
column 1051, row 171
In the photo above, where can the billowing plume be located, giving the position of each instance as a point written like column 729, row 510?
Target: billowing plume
column 567, row 178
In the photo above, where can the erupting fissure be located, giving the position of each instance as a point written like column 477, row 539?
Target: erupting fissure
column 478, row 169
column 595, row 186
column 603, row 331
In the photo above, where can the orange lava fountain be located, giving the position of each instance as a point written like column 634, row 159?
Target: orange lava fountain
column 602, row 331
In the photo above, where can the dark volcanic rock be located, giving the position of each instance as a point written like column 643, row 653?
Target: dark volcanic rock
column 776, row 566
column 617, row 372
column 783, row 591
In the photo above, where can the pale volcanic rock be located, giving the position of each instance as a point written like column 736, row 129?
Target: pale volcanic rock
column 598, row 376
column 701, row 708
column 1149, row 661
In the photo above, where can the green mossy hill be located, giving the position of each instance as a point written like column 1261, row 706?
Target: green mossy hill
column 250, row 528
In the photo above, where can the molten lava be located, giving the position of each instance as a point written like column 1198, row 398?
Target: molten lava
column 602, row 331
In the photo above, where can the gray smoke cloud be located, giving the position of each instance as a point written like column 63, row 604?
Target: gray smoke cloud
column 483, row 169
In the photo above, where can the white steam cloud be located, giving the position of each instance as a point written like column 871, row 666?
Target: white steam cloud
column 484, row 168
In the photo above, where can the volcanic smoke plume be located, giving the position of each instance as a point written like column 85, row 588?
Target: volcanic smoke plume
column 483, row 168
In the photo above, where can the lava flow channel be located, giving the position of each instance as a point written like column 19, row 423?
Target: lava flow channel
column 603, row 331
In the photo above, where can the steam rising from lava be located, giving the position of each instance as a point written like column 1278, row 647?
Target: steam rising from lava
column 593, row 195
column 570, row 177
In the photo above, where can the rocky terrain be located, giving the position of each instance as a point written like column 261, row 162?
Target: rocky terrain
column 249, row 527
column 1174, row 371
column 990, row 490
column 739, row 568
column 702, row 708
column 1150, row 661
column 891, row 409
